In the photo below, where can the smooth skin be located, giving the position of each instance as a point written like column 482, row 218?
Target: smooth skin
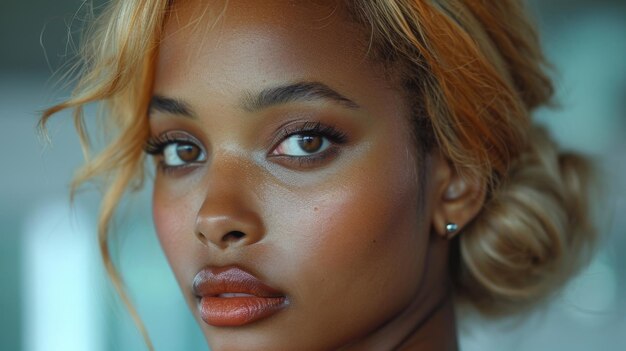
column 341, row 225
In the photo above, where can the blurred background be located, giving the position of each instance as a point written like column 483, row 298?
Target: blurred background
column 55, row 294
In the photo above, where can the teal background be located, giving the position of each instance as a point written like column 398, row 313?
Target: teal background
column 584, row 39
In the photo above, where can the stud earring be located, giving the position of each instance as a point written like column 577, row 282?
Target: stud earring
column 451, row 229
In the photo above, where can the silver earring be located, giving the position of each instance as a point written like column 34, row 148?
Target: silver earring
column 451, row 229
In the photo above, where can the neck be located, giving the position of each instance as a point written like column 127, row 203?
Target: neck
column 437, row 332
column 428, row 322
column 431, row 330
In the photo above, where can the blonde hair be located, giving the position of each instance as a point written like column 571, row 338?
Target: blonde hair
column 477, row 72
column 474, row 72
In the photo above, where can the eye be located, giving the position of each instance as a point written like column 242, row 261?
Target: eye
column 175, row 150
column 181, row 153
column 299, row 145
column 305, row 145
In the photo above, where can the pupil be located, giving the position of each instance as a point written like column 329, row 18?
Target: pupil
column 310, row 143
column 187, row 153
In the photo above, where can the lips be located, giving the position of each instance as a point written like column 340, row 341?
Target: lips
column 231, row 297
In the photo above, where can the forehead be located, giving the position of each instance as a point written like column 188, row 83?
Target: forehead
column 223, row 21
column 240, row 42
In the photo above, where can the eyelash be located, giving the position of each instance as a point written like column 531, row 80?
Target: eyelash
column 155, row 146
column 314, row 128
column 334, row 135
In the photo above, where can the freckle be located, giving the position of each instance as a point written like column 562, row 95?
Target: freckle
column 315, row 208
column 374, row 241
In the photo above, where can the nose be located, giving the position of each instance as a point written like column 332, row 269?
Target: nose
column 229, row 215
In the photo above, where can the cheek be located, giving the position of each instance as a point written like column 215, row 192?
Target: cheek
column 361, row 221
column 361, row 240
column 174, row 219
column 167, row 218
column 363, row 230
column 369, row 223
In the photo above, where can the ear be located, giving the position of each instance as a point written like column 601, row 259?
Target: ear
column 457, row 199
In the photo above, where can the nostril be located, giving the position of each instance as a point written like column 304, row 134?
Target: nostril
column 233, row 236
column 203, row 239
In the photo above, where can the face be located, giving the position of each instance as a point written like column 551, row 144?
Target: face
column 287, row 199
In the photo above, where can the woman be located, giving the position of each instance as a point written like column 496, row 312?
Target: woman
column 331, row 174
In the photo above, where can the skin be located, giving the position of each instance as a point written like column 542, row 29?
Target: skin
column 352, row 239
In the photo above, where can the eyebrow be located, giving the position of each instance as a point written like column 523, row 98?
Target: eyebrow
column 300, row 91
column 170, row 105
column 251, row 102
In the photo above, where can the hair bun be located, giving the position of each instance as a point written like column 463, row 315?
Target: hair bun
column 528, row 239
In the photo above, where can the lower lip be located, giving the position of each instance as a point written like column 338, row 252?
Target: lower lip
column 238, row 311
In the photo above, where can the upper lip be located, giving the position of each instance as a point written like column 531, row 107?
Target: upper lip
column 214, row 281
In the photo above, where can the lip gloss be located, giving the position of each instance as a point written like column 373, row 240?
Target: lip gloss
column 231, row 297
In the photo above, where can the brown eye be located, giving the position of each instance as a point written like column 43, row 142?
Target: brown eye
column 188, row 152
column 300, row 145
column 310, row 143
column 179, row 154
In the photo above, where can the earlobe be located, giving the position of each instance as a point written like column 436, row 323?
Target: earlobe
column 458, row 199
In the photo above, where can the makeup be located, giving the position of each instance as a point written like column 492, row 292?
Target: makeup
column 231, row 297
column 303, row 213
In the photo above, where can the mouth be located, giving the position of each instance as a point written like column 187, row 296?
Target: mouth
column 231, row 297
